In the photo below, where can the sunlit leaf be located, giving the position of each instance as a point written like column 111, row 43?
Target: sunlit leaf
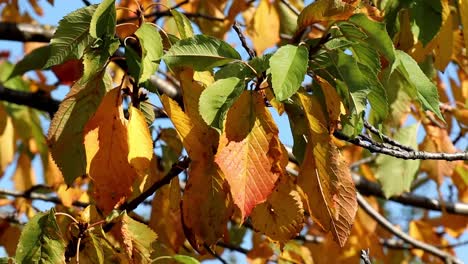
column 217, row 98
column 41, row 241
column 183, row 24
column 152, row 50
column 103, row 21
column 249, row 152
column 200, row 53
column 288, row 66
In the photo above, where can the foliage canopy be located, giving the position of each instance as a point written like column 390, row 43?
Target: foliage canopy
column 360, row 82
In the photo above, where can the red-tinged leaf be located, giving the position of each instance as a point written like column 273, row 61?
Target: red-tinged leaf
column 68, row 72
column 206, row 203
column 324, row 176
column 281, row 217
column 326, row 10
column 249, row 153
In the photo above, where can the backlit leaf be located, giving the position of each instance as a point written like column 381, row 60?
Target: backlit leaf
column 463, row 5
column 136, row 238
column 325, row 10
column 325, row 178
column 72, row 36
column 281, row 216
column 183, row 24
column 41, row 241
column 396, row 175
column 426, row 19
column 103, row 21
column 140, row 143
column 217, row 98
column 264, row 30
column 36, row 59
column 249, row 152
column 7, row 141
column 107, row 153
column 65, row 135
column 288, row 66
column 421, row 87
column 200, row 53
column 152, row 50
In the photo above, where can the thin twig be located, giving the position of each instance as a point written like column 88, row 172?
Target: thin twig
column 422, row 155
column 86, row 2
column 40, row 197
column 233, row 247
column 214, row 254
column 243, row 40
column 402, row 235
column 291, row 7
column 176, row 169
column 365, row 256
column 385, row 138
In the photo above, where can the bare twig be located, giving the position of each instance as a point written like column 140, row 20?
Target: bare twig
column 39, row 196
column 176, row 169
column 243, row 40
column 385, row 138
column 365, row 256
column 402, row 154
column 233, row 247
column 37, row 100
column 214, row 254
column 402, row 235
column 291, row 7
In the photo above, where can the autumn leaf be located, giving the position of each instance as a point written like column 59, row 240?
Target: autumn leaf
column 7, row 140
column 264, row 30
column 281, row 216
column 324, row 176
column 324, row 10
column 249, row 152
column 113, row 163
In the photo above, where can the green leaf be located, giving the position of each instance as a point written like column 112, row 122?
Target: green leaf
column 377, row 35
column 72, row 37
column 299, row 128
column 137, row 238
column 260, row 64
column 288, row 66
column 217, row 98
column 395, row 174
column 353, row 80
column 148, row 112
column 421, row 87
column 36, row 59
column 66, row 129
column 41, row 241
column 426, row 19
column 377, row 96
column 151, row 50
column 95, row 59
column 104, row 20
column 133, row 62
column 200, row 53
column 235, row 69
column 185, row 259
column 183, row 24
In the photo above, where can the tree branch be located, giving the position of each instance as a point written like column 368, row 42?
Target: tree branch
column 373, row 146
column 37, row 100
column 176, row 169
column 38, row 196
column 26, row 32
column 243, row 40
column 402, row 235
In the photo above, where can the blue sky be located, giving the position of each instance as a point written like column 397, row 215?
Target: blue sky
column 62, row 7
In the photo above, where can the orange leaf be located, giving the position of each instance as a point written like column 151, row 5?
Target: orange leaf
column 249, row 153
column 108, row 151
column 325, row 177
column 325, row 10
column 24, row 177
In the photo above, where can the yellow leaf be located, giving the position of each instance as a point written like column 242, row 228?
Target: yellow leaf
column 437, row 140
column 7, row 141
column 206, row 204
column 281, row 216
column 107, row 149
column 333, row 101
column 325, row 10
column 68, row 195
column 271, row 97
column 463, row 5
column 460, row 179
column 24, row 177
column 53, row 176
column 325, row 177
column 264, row 29
column 444, row 48
column 140, row 143
column 166, row 216
column 213, row 8
column 249, row 152
column 424, row 231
